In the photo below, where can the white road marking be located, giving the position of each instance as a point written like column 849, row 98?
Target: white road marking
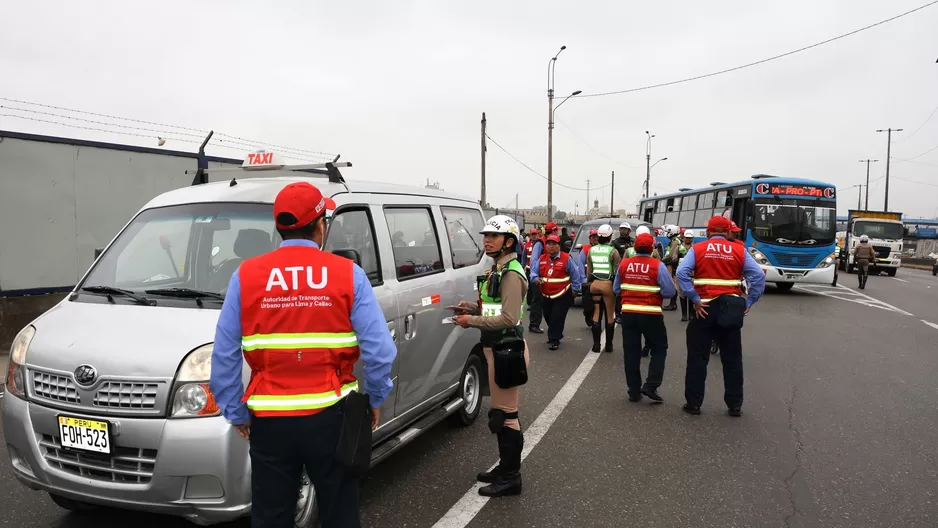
column 898, row 279
column 462, row 513
column 933, row 325
column 861, row 298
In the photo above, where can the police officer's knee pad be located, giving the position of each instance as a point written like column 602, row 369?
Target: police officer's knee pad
column 497, row 418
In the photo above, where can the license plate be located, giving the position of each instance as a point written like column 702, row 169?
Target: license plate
column 85, row 435
column 792, row 277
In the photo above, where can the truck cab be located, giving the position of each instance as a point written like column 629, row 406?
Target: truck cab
column 885, row 231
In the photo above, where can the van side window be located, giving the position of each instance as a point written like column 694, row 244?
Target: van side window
column 414, row 240
column 353, row 229
column 461, row 227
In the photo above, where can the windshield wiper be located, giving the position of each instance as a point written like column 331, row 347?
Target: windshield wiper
column 110, row 290
column 187, row 293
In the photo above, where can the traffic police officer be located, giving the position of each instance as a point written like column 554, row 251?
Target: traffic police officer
column 600, row 268
column 625, row 239
column 558, row 276
column 643, row 282
column 711, row 278
column 301, row 359
column 587, row 299
column 498, row 314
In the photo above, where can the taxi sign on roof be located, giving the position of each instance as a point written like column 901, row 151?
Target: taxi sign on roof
column 262, row 159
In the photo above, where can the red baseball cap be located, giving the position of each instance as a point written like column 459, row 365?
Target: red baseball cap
column 735, row 228
column 644, row 241
column 302, row 200
column 550, row 227
column 594, row 232
column 534, row 231
column 554, row 238
column 719, row 223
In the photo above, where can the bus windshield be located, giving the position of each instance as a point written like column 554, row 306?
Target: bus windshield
column 874, row 229
column 794, row 222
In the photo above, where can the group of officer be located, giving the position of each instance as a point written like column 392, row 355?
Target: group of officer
column 623, row 276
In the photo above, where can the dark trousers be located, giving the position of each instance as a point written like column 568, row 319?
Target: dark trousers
column 535, row 306
column 700, row 333
column 280, row 448
column 651, row 326
column 555, row 313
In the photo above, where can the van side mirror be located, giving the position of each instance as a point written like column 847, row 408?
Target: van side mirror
column 351, row 254
column 97, row 252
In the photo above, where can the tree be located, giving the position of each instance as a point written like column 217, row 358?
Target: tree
column 560, row 215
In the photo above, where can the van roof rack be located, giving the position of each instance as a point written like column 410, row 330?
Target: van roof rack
column 263, row 160
column 716, row 184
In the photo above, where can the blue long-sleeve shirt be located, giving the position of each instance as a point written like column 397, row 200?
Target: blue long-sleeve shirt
column 374, row 341
column 664, row 281
column 582, row 258
column 755, row 277
column 572, row 269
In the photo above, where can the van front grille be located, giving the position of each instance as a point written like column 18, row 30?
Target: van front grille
column 126, row 395
column 55, row 387
column 126, row 465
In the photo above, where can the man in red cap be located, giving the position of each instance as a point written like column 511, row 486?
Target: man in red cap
column 534, row 293
column 642, row 282
column 711, row 277
column 301, row 318
column 733, row 235
column 557, row 276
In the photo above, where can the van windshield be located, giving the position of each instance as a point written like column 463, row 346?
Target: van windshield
column 192, row 246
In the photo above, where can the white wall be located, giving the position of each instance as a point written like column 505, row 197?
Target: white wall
column 59, row 201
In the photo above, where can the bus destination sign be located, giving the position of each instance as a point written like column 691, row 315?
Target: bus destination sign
column 793, row 189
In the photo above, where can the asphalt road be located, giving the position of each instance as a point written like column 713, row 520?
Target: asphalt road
column 839, row 429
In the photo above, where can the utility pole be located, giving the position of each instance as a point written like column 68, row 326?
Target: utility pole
column 482, row 196
column 516, row 202
column 889, row 132
column 648, row 162
column 866, row 204
column 860, row 193
column 612, row 194
column 587, row 197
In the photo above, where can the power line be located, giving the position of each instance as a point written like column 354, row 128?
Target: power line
column 592, row 147
column 916, row 162
column 920, row 155
column 525, row 165
column 202, row 133
column 933, row 112
column 918, row 182
column 52, row 114
column 756, row 63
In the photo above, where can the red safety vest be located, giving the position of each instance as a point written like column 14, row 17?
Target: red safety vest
column 528, row 249
column 554, row 273
column 297, row 336
column 586, row 251
column 638, row 279
column 718, row 268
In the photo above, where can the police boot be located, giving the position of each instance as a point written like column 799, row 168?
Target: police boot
column 508, row 481
column 672, row 305
column 610, row 337
column 683, row 309
column 489, row 477
column 597, row 333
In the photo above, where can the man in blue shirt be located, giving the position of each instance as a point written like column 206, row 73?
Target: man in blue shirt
column 556, row 289
column 703, row 328
column 305, row 433
column 535, row 308
column 642, row 315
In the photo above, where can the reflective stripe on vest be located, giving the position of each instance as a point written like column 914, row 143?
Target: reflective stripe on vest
column 299, row 402
column 565, row 279
column 719, row 282
column 640, row 287
column 641, row 308
column 601, row 261
column 705, row 301
column 298, row 341
column 556, row 295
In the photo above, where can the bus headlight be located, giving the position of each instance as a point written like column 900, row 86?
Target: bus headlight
column 758, row 257
column 828, row 261
column 16, row 371
column 192, row 397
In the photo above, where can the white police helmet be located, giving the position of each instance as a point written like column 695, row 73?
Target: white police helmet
column 604, row 230
column 501, row 224
column 689, row 233
column 625, row 225
column 642, row 229
column 864, row 238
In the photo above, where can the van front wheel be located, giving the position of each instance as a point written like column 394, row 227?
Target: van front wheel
column 470, row 390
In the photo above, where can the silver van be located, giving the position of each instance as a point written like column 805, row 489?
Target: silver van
column 107, row 398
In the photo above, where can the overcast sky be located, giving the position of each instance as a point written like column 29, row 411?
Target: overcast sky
column 398, row 88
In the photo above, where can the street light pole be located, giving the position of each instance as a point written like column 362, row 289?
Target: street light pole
column 551, row 70
column 889, row 132
column 866, row 204
column 648, row 161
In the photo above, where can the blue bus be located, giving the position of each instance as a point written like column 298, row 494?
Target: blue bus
column 789, row 225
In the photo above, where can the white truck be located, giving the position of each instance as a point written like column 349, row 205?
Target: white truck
column 885, row 231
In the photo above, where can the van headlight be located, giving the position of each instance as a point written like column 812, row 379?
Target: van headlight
column 758, row 256
column 192, row 397
column 16, row 371
column 827, row 261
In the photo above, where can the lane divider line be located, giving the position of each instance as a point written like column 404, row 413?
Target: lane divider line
column 462, row 513
column 898, row 279
column 933, row 325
